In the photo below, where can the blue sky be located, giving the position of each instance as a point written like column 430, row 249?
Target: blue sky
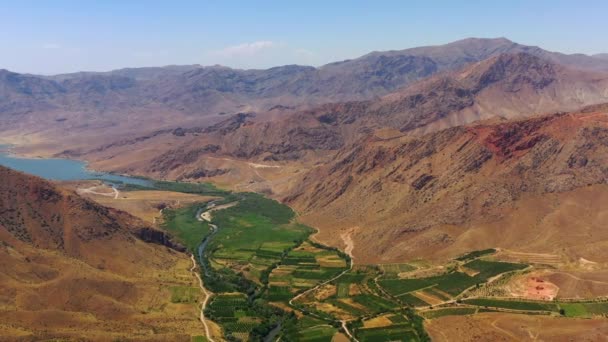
column 64, row 36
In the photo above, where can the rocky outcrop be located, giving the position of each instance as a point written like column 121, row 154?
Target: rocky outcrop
column 158, row 237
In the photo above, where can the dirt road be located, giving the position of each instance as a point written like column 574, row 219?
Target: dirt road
column 205, row 301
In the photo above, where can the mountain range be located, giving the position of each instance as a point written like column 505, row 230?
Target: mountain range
column 326, row 140
column 197, row 94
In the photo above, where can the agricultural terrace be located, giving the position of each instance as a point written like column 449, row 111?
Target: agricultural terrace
column 434, row 290
column 254, row 236
column 399, row 326
column 354, row 294
column 303, row 268
column 260, row 259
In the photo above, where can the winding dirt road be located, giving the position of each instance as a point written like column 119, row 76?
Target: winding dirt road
column 91, row 190
column 205, row 301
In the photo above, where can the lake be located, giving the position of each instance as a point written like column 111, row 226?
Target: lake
column 62, row 169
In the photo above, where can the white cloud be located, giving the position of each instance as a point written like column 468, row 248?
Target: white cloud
column 51, row 46
column 304, row 53
column 246, row 49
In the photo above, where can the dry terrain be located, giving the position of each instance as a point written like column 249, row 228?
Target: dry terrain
column 533, row 186
column 72, row 269
column 515, row 327
column 145, row 204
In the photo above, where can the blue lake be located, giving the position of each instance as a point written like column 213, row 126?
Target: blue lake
column 62, row 169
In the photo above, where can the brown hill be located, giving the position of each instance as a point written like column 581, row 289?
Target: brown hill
column 506, row 86
column 73, row 269
column 535, row 185
column 87, row 108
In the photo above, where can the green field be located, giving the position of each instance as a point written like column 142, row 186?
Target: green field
column 489, row 269
column 452, row 283
column 397, row 287
column 206, row 189
column 397, row 332
column 323, row 333
column 513, row 304
column 183, row 224
column 343, row 290
column 302, row 269
column 412, row 300
column 584, row 309
column 255, row 234
column 260, row 255
column 436, row 313
column 233, row 313
column 476, row 254
column 184, row 294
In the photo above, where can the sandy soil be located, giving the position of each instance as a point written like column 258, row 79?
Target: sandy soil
column 515, row 327
column 142, row 204
column 535, row 285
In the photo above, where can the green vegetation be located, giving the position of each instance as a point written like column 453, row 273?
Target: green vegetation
column 183, row 224
column 513, row 304
column 392, row 270
column 307, row 328
column 476, row 254
column 452, row 283
column 320, row 333
column 239, row 316
column 206, row 189
column 254, row 236
column 343, row 290
column 584, row 309
column 184, row 294
column 260, row 255
column 198, row 339
column 397, row 287
column 303, row 268
column 375, row 303
column 396, row 332
column 448, row 312
column 489, row 269
column 412, row 300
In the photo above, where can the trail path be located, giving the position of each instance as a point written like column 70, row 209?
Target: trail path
column 115, row 193
column 205, row 301
column 204, row 214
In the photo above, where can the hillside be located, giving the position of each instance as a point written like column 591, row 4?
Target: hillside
column 91, row 107
column 73, row 269
column 508, row 86
column 534, row 185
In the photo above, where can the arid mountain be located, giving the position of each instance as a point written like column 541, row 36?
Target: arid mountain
column 139, row 74
column 533, row 184
column 506, row 86
column 126, row 101
column 457, row 54
column 73, row 269
column 601, row 56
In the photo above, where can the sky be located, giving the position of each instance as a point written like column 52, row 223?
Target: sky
column 50, row 37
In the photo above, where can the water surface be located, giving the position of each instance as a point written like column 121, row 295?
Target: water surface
column 62, row 169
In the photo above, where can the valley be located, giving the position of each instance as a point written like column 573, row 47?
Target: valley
column 264, row 275
column 441, row 193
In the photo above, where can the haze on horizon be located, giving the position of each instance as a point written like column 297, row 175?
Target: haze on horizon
column 69, row 36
